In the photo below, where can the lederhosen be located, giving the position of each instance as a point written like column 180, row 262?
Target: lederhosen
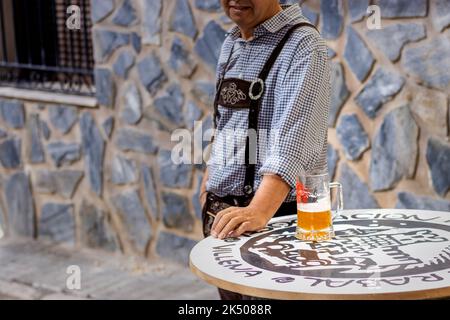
column 236, row 93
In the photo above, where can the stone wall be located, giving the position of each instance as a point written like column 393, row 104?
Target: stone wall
column 103, row 177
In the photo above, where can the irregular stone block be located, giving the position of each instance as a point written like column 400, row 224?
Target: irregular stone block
column 2, row 224
column 105, row 87
column 108, row 125
column 381, row 88
column 403, row 8
column 331, row 53
column 208, row 5
column 57, row 223
column 440, row 14
column 62, row 182
column 173, row 175
column 182, row 19
column 130, row 208
column 3, row 133
column 136, row 42
column 192, row 113
column 357, row 9
column 100, row 9
column 63, row 117
column 356, row 193
column 358, row 56
column 151, row 22
column 180, row 58
column 64, row 153
column 123, row 170
column 352, row 136
column 125, row 15
column 394, row 150
column 204, row 91
column 309, row 14
column 196, row 196
column 438, row 159
column 151, row 74
column 13, row 113
column 407, row 200
column 206, row 128
column 391, row 39
column 10, row 153
column 132, row 105
column 45, row 130
column 209, row 44
column 224, row 19
column 106, row 42
column 94, row 151
column 176, row 213
column 131, row 140
column 96, row 231
column 430, row 62
column 431, row 107
column 150, row 190
column 35, row 149
column 170, row 105
column 332, row 159
column 123, row 63
column 20, row 205
column 332, row 14
column 339, row 93
column 175, row 248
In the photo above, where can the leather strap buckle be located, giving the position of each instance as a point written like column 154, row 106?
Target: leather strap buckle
column 250, row 90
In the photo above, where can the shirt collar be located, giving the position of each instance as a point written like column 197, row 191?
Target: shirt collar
column 291, row 14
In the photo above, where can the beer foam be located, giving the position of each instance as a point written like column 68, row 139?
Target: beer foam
column 319, row 206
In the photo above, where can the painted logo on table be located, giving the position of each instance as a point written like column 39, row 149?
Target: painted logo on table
column 360, row 249
column 379, row 250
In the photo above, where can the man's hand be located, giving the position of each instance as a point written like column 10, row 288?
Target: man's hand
column 234, row 221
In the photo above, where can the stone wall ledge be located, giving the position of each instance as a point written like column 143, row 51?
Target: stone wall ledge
column 49, row 97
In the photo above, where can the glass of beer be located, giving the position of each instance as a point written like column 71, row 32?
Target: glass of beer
column 314, row 214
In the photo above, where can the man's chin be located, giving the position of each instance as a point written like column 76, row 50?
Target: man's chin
column 239, row 15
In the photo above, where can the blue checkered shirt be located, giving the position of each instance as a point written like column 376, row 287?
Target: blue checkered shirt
column 293, row 113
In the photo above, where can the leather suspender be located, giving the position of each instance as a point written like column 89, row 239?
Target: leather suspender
column 256, row 91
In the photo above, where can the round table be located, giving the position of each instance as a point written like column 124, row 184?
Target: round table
column 376, row 254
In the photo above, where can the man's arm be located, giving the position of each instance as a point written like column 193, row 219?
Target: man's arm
column 234, row 221
column 202, row 195
column 271, row 193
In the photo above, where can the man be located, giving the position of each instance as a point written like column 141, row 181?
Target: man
column 272, row 76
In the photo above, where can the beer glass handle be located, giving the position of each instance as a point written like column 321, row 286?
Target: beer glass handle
column 340, row 199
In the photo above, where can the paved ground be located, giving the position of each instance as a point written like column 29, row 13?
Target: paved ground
column 37, row 270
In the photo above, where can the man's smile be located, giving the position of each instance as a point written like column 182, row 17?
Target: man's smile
column 237, row 8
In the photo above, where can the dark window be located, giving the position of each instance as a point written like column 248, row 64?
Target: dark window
column 38, row 51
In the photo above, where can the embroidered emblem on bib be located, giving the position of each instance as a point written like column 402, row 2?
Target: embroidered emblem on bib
column 232, row 95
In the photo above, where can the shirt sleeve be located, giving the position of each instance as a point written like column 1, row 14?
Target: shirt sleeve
column 300, row 123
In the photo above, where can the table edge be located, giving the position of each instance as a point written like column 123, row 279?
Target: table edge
column 438, row 293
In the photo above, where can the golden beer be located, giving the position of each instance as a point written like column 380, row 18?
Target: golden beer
column 314, row 216
column 314, row 223
column 314, row 220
